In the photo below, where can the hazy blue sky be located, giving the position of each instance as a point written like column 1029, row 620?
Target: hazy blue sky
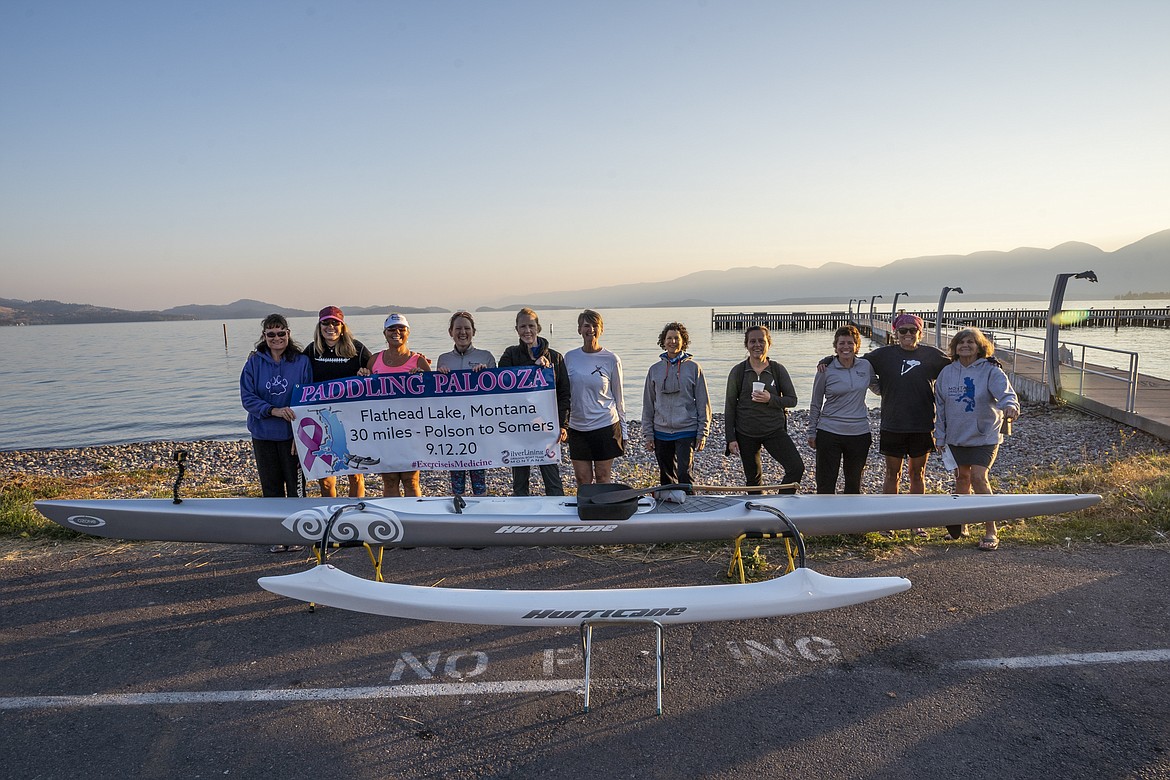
column 465, row 153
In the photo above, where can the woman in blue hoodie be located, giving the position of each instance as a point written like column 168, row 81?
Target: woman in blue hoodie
column 975, row 404
column 266, row 386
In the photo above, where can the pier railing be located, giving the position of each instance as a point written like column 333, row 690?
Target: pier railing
column 1002, row 319
column 1023, row 355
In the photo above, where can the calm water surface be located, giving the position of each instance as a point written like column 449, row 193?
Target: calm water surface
column 79, row 385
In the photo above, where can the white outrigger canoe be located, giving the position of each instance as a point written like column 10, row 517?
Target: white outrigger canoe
column 802, row 590
column 532, row 521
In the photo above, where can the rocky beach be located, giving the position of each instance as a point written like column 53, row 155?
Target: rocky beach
column 1043, row 438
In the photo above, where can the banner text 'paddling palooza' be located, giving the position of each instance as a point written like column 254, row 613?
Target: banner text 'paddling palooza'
column 427, row 421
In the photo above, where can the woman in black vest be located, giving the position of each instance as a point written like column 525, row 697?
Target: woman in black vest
column 759, row 394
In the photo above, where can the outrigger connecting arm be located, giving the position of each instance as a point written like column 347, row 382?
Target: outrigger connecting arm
column 792, row 533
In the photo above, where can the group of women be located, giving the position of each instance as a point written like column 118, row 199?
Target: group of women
column 970, row 399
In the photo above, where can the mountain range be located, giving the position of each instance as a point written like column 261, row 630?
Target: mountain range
column 1020, row 274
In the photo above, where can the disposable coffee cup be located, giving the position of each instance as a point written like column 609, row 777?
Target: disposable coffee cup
column 757, row 387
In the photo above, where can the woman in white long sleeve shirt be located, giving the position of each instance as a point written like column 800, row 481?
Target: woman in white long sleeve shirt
column 597, row 414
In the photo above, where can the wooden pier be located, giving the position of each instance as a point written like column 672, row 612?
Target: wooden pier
column 995, row 319
column 1097, row 389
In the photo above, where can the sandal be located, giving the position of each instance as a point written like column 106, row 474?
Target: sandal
column 278, row 548
column 921, row 533
column 989, row 543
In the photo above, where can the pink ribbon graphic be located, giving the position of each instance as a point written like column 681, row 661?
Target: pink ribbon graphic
column 311, row 434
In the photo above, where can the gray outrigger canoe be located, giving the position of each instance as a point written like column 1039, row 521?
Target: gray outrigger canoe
column 532, row 521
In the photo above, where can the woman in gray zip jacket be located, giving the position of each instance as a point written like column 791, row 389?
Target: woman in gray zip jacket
column 676, row 410
column 838, row 421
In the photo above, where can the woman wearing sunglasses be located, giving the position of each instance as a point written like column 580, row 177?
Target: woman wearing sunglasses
column 335, row 354
column 398, row 358
column 906, row 371
column 266, row 387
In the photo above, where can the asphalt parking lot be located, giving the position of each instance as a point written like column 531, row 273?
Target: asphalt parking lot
column 167, row 660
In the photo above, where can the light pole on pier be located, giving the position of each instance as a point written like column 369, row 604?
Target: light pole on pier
column 1052, row 335
column 938, row 318
column 894, row 309
column 851, row 300
column 871, row 300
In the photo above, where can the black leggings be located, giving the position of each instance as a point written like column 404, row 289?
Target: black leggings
column 832, row 449
column 780, row 447
column 279, row 469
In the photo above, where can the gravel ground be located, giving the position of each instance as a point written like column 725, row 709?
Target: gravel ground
column 1043, row 437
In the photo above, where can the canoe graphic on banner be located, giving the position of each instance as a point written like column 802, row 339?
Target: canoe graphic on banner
column 427, row 421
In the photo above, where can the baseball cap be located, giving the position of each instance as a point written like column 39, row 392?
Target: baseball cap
column 395, row 319
column 331, row 313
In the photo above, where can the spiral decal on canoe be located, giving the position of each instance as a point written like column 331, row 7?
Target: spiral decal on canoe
column 372, row 524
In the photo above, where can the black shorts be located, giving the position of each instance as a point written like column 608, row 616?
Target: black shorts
column 900, row 444
column 601, row 444
column 983, row 455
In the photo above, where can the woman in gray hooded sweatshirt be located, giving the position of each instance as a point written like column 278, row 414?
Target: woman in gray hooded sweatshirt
column 676, row 411
column 973, row 399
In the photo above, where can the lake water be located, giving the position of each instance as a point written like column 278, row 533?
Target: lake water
column 81, row 385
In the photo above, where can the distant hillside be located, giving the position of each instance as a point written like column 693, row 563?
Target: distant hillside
column 1021, row 274
column 1145, row 296
column 16, row 312
column 247, row 308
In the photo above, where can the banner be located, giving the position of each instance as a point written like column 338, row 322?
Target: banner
column 427, row 421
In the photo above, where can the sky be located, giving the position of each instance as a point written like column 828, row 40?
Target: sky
column 464, row 153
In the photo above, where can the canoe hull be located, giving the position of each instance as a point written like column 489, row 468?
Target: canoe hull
column 529, row 521
column 800, row 591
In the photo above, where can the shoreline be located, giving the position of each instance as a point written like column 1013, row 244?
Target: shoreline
column 1044, row 437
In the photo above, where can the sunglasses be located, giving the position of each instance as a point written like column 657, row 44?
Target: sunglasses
column 907, row 331
column 275, row 334
column 330, row 324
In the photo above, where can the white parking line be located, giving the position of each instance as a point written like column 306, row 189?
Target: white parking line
column 488, row 688
column 1065, row 659
column 293, row 694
